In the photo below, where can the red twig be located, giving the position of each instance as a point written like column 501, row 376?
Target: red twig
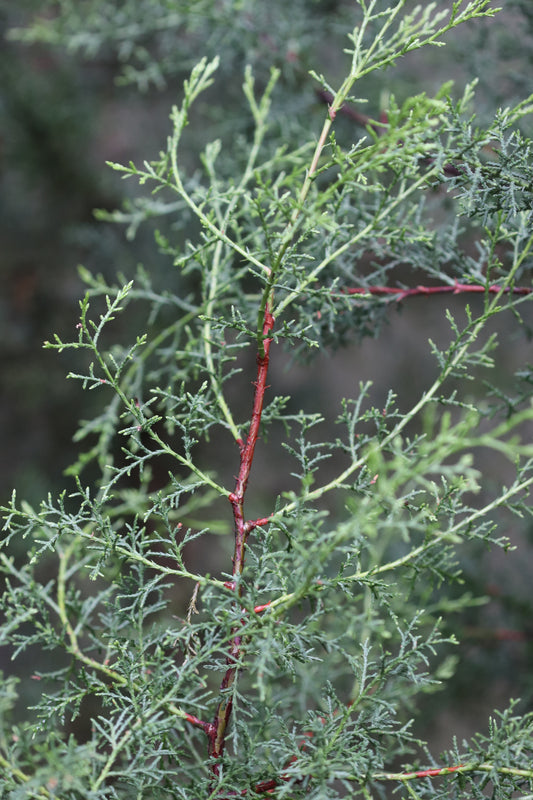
column 264, row 787
column 216, row 731
column 433, row 773
column 456, row 288
column 268, row 786
column 258, row 609
column 424, row 773
column 196, row 722
column 256, row 523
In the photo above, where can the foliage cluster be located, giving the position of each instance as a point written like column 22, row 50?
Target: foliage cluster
column 298, row 667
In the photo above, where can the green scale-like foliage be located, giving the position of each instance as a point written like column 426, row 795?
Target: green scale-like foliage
column 311, row 650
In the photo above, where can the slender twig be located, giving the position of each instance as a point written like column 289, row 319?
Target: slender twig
column 75, row 650
column 455, row 288
column 223, row 221
column 403, row 777
column 42, row 793
column 441, row 771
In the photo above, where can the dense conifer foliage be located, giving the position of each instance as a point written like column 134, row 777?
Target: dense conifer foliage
column 225, row 624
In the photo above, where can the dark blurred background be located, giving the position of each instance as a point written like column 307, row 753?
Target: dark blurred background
column 63, row 113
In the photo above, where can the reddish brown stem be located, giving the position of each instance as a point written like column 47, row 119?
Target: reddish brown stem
column 256, row 523
column 197, row 722
column 456, row 288
column 437, row 772
column 216, row 730
column 259, row 609
column 433, row 773
column 268, row 786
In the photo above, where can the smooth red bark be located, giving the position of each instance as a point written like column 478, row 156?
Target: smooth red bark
column 216, row 730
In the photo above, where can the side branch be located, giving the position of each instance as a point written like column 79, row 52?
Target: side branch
column 267, row 786
column 455, row 288
column 216, row 731
column 462, row 768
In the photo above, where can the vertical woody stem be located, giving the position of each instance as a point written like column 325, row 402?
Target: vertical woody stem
column 217, row 729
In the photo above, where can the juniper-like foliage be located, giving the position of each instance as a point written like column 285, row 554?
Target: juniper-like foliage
column 297, row 667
